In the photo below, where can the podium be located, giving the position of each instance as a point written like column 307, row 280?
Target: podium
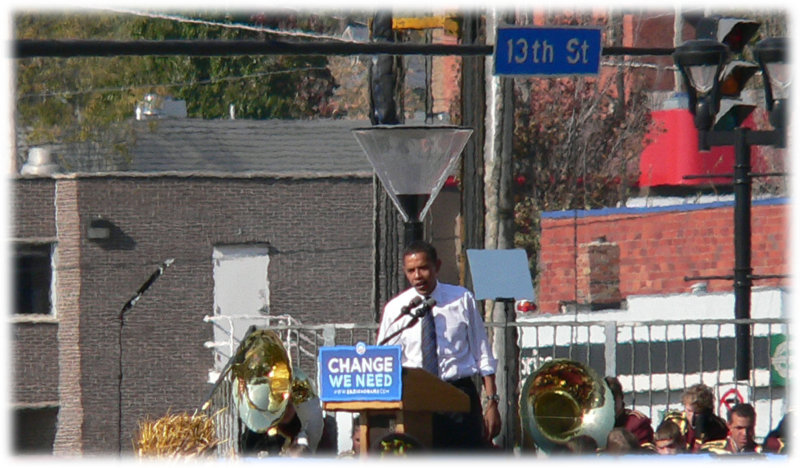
column 423, row 394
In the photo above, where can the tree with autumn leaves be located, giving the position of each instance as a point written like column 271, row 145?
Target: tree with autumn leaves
column 79, row 99
column 576, row 141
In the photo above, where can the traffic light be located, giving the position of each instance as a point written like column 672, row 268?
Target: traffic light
column 732, row 110
column 735, row 76
column 733, row 32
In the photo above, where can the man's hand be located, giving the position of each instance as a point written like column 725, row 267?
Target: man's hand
column 491, row 420
column 491, row 414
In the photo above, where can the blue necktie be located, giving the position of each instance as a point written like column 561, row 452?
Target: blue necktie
column 430, row 360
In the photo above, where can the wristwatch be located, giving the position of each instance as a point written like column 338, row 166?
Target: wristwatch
column 495, row 398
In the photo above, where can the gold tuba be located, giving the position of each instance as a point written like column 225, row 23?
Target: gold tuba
column 565, row 399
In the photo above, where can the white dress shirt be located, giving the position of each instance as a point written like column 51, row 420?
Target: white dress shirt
column 461, row 342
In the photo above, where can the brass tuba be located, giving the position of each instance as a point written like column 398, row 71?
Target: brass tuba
column 267, row 390
column 565, row 399
column 262, row 380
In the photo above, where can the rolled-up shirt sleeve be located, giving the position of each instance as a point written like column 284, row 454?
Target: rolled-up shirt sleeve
column 478, row 341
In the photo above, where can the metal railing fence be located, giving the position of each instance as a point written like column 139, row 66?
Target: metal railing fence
column 655, row 361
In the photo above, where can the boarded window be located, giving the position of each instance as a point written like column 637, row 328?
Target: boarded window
column 241, row 295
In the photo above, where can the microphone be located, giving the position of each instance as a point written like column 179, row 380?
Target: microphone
column 414, row 303
column 406, row 309
column 426, row 307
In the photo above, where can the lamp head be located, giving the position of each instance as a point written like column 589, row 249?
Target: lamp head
column 701, row 63
column 771, row 55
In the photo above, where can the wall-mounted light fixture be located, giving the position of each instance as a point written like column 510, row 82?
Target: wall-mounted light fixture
column 99, row 229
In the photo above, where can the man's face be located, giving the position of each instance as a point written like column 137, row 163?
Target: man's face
column 666, row 446
column 690, row 411
column 421, row 272
column 742, row 429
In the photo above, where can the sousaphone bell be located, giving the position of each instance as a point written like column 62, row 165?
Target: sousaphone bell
column 565, row 399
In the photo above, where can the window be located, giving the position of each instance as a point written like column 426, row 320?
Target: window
column 33, row 275
column 35, row 430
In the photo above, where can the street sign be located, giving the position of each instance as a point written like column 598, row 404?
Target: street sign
column 360, row 373
column 547, row 51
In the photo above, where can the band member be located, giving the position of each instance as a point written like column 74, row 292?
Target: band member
column 697, row 422
column 634, row 421
column 741, row 428
column 668, row 440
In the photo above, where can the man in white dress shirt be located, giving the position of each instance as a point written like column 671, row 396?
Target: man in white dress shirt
column 463, row 350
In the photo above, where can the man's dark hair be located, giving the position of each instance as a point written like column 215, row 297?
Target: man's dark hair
column 743, row 410
column 615, row 386
column 420, row 246
column 668, row 430
column 581, row 444
column 621, row 440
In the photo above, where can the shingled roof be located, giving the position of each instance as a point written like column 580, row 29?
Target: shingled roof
column 306, row 148
column 283, row 147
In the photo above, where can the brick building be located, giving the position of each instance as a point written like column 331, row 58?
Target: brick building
column 606, row 255
column 84, row 243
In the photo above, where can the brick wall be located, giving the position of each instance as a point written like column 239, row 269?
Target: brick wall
column 660, row 246
column 33, row 207
column 33, row 343
column 35, row 358
column 320, row 232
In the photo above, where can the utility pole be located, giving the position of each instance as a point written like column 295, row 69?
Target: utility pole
column 473, row 115
column 498, row 202
column 386, row 84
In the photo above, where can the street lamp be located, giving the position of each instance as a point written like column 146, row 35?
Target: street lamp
column 701, row 63
column 771, row 56
column 412, row 163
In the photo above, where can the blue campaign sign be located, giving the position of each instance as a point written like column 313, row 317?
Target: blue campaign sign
column 547, row 51
column 360, row 373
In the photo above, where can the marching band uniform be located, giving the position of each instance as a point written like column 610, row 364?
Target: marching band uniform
column 637, row 423
column 714, row 429
column 728, row 446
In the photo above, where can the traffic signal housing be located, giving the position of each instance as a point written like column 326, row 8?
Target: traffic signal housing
column 732, row 110
column 736, row 33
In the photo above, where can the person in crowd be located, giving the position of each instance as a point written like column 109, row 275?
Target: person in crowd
column 697, row 421
column 741, row 432
column 668, row 439
column 775, row 441
column 398, row 445
column 355, row 438
column 633, row 421
column 460, row 352
column 622, row 441
column 578, row 445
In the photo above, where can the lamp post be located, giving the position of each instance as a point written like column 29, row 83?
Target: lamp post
column 412, row 163
column 701, row 63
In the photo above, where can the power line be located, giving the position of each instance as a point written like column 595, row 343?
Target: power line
column 170, row 85
column 240, row 26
